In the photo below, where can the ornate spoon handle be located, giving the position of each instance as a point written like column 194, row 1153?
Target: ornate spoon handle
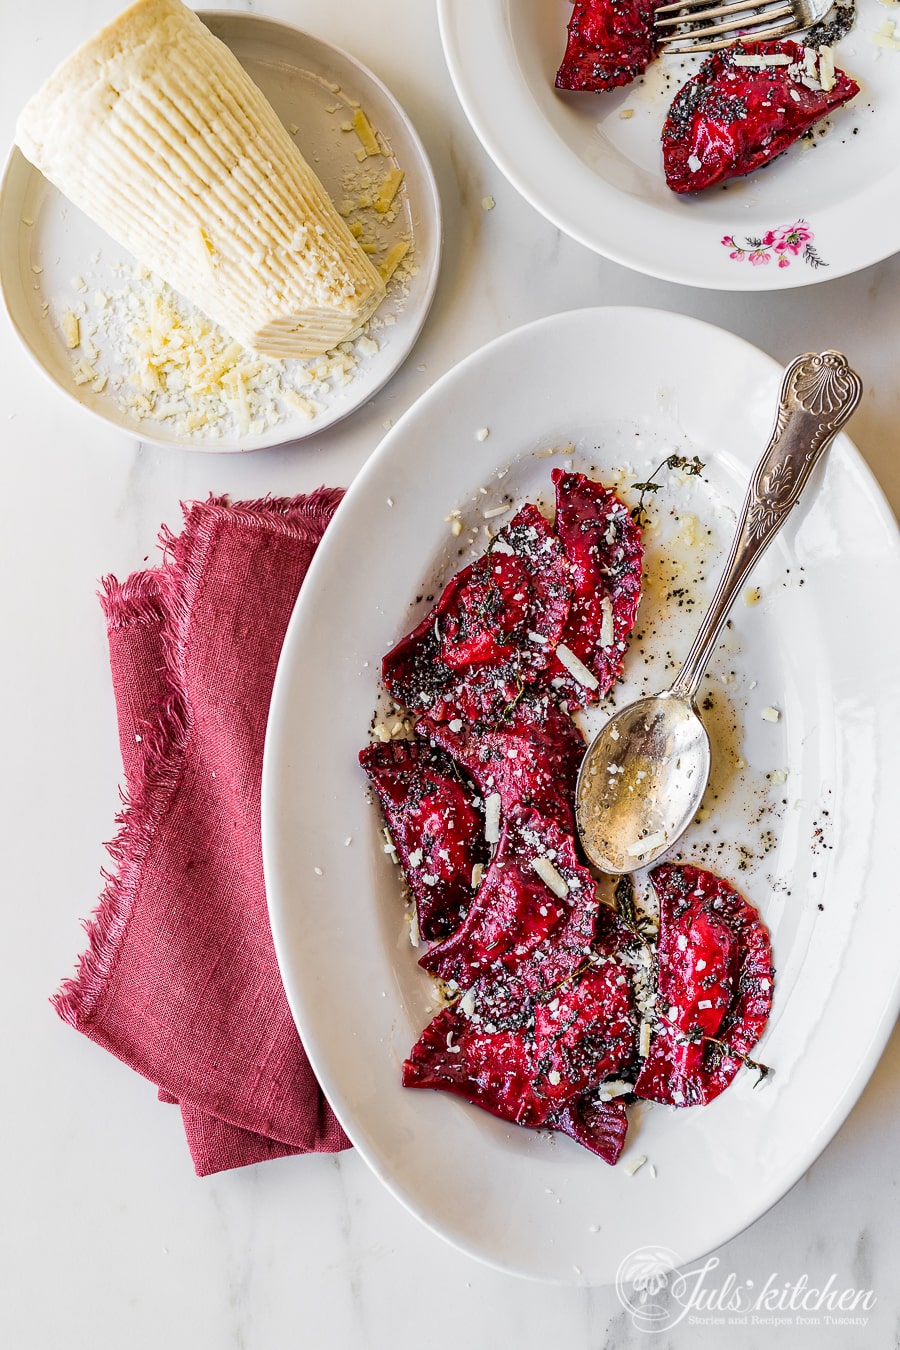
column 818, row 395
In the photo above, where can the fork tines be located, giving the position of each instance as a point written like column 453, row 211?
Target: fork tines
column 704, row 26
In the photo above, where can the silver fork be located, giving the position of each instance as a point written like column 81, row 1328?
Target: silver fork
column 708, row 27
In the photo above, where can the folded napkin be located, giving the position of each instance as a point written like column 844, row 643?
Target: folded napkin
column 180, row 979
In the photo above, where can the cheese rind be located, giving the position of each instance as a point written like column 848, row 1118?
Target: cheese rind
column 156, row 132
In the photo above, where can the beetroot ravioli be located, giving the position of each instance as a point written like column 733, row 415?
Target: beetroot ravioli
column 531, row 924
column 742, row 108
column 610, row 42
column 547, row 1072
column 603, row 544
column 544, row 609
column 542, row 1028
column 492, row 633
column 714, row 987
column 436, row 827
column 532, row 757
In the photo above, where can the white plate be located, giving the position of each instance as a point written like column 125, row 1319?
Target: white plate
column 298, row 74
column 626, row 387
column 599, row 177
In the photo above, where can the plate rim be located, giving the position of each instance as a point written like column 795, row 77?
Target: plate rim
column 278, row 897
column 750, row 281
column 276, row 436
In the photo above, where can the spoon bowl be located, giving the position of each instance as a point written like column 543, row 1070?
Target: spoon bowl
column 641, row 782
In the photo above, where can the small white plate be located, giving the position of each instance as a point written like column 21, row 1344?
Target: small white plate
column 626, row 387
column 599, row 176
column 302, row 77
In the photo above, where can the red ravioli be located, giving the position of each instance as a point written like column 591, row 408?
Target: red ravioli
column 493, row 1070
column 493, row 631
column 715, row 970
column 731, row 119
column 610, row 42
column 532, row 758
column 436, row 828
column 545, row 1073
column 520, row 940
column 603, row 544
column 585, row 1033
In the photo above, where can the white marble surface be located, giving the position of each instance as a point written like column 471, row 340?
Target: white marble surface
column 106, row 1238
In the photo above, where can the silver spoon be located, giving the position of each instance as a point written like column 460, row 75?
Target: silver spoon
column 644, row 775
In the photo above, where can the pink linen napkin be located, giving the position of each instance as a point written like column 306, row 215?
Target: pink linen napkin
column 180, row 979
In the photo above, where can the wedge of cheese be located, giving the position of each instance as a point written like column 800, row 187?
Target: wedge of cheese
column 156, row 132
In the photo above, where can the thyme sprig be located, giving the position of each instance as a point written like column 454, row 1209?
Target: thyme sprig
column 762, row 1069
column 692, row 465
column 510, row 707
column 627, row 911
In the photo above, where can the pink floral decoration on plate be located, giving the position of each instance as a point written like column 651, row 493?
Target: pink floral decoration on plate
column 784, row 243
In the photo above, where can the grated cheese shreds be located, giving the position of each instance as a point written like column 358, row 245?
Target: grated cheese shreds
column 392, row 261
column 886, row 36
column 71, row 327
column 363, row 128
column 761, row 62
column 607, row 628
column 647, row 845
column 188, row 371
column 492, row 818
column 551, row 878
column 181, row 370
column 614, row 1087
column 389, row 189
column 307, row 406
column 576, row 668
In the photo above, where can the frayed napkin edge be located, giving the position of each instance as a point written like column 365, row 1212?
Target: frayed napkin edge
column 164, row 594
